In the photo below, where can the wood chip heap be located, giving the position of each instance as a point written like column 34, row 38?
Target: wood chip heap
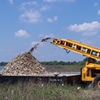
column 24, row 64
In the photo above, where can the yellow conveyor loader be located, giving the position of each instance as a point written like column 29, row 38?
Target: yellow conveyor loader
column 91, row 72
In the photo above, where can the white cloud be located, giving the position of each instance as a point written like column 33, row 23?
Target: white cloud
column 86, row 28
column 44, row 8
column 50, row 0
column 31, row 16
column 52, row 19
column 21, row 33
column 86, row 41
column 99, row 12
column 11, row 1
column 55, row 18
column 68, row 0
column 58, row 0
column 26, row 5
column 46, row 35
column 33, row 43
column 95, row 4
column 29, row 3
column 41, row 35
column 50, row 35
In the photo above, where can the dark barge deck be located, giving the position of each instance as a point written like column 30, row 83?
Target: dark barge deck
column 61, row 78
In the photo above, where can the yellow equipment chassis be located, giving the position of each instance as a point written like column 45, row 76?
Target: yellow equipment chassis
column 91, row 70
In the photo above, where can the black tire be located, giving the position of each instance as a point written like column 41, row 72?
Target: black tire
column 96, row 81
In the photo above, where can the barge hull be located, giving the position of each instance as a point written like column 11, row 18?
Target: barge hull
column 61, row 79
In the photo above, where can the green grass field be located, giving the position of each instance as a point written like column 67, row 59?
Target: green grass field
column 43, row 91
column 32, row 91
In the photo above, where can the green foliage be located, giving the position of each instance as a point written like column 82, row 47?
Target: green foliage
column 3, row 63
column 70, row 63
column 58, row 63
column 61, row 62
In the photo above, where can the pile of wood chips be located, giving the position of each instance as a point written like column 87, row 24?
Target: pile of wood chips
column 23, row 64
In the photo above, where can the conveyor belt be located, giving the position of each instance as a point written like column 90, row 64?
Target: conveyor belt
column 78, row 47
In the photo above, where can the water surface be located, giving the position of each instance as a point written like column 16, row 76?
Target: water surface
column 1, row 67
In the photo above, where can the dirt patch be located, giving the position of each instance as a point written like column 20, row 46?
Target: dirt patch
column 90, row 93
column 24, row 64
column 85, row 94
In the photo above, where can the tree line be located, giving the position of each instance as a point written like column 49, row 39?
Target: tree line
column 61, row 62
column 48, row 63
column 3, row 63
column 58, row 63
column 70, row 63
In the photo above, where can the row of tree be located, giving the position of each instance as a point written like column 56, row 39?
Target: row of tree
column 3, row 63
column 49, row 63
column 61, row 62
column 58, row 63
column 70, row 63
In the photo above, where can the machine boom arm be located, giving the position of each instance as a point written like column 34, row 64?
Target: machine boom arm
column 78, row 47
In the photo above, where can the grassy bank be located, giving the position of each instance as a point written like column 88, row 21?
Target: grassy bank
column 32, row 91
column 63, row 68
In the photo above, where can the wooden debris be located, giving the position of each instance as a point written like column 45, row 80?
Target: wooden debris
column 24, row 64
column 35, row 47
column 47, row 38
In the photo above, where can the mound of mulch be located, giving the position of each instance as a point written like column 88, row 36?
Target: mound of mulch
column 24, row 64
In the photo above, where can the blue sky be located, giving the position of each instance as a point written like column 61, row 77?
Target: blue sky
column 25, row 22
